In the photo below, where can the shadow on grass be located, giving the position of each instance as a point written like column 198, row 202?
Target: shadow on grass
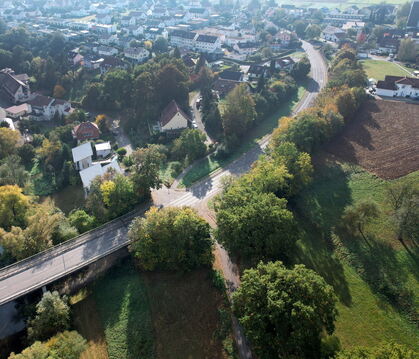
column 384, row 271
column 318, row 209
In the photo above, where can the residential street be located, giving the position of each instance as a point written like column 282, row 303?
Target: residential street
column 59, row 261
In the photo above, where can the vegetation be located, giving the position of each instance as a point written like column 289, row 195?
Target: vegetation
column 390, row 350
column 52, row 316
column 171, row 239
column 378, row 69
column 285, row 311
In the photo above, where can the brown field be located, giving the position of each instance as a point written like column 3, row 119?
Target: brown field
column 383, row 139
column 185, row 315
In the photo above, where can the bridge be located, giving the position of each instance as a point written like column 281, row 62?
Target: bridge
column 46, row 267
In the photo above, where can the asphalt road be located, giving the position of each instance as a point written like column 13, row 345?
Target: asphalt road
column 44, row 268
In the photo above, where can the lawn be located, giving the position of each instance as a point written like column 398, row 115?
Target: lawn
column 128, row 314
column 69, row 198
column 123, row 305
column 210, row 164
column 369, row 280
column 378, row 69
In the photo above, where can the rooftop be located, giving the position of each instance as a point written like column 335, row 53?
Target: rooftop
column 81, row 152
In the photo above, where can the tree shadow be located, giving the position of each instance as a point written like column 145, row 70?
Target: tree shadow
column 318, row 209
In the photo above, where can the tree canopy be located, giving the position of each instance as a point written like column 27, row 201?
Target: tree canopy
column 171, row 239
column 284, row 312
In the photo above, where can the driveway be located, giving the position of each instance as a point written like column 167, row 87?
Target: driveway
column 197, row 116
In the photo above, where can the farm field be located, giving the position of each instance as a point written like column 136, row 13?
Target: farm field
column 128, row 314
column 382, row 139
column 378, row 69
column 368, row 315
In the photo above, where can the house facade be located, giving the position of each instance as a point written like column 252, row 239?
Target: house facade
column 396, row 86
column 45, row 107
column 173, row 118
column 82, row 156
column 138, row 54
column 86, row 131
column 14, row 87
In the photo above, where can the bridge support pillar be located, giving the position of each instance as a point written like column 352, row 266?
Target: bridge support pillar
column 44, row 289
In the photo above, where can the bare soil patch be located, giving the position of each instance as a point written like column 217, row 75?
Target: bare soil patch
column 383, row 139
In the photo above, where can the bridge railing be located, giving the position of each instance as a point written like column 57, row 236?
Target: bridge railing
column 71, row 243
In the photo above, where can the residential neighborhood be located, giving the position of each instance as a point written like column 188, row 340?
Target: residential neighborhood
column 209, row 179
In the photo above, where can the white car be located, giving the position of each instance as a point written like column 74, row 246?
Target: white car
column 194, row 125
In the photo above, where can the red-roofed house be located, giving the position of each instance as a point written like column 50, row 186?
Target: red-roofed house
column 173, row 118
column 86, row 131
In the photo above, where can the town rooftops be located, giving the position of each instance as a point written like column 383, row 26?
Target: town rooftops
column 184, row 34
column 247, row 45
column 207, row 38
column 81, row 152
column 231, row 75
column 15, row 110
column 103, row 146
column 86, row 130
column 135, row 51
column 11, row 82
column 389, row 83
column 40, row 101
column 171, row 110
column 256, row 69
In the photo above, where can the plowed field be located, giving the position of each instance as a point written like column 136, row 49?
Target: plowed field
column 383, row 139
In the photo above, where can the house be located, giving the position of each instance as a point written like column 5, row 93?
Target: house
column 332, row 33
column 86, row 131
column 88, row 174
column 183, row 39
column 223, row 86
column 18, row 111
column 207, row 43
column 284, row 37
column 103, row 149
column 138, row 54
column 413, row 18
column 257, row 71
column 389, row 43
column 45, row 107
column 231, row 75
column 82, row 156
column 14, row 87
column 152, row 33
column 173, row 118
column 197, row 13
column 285, row 63
column 110, row 62
column 104, row 19
column 246, row 48
column 77, row 59
column 397, row 86
column 107, row 51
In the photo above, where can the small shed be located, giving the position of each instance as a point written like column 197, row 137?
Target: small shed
column 103, row 149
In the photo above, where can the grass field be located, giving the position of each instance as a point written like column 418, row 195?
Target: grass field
column 356, row 271
column 378, row 69
column 129, row 314
column 210, row 164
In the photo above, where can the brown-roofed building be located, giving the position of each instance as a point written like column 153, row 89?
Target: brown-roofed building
column 86, row 131
column 14, row 87
column 397, row 86
column 173, row 118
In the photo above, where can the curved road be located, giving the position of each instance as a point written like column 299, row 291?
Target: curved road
column 43, row 268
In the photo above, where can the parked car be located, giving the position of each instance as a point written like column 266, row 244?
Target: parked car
column 194, row 124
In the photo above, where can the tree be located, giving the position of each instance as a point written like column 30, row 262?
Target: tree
column 52, row 316
column 145, row 169
column 42, row 225
column 81, row 220
column 102, row 123
column 200, row 63
column 190, row 145
column 384, row 351
column 300, row 28
column 27, row 153
column 171, row 84
column 404, row 200
column 93, row 96
column 238, row 112
column 59, row 91
column 176, row 53
column 356, row 217
column 285, row 311
column 407, row 50
column 67, row 345
column 161, row 44
column 301, row 69
column 117, row 87
column 37, row 350
column 171, row 239
column 255, row 225
column 8, row 141
column 312, row 31
column 118, row 195
column 12, row 172
column 13, row 206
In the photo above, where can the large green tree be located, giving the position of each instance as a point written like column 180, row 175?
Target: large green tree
column 284, row 312
column 254, row 225
column 190, row 145
column 171, row 239
column 238, row 112
column 408, row 50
